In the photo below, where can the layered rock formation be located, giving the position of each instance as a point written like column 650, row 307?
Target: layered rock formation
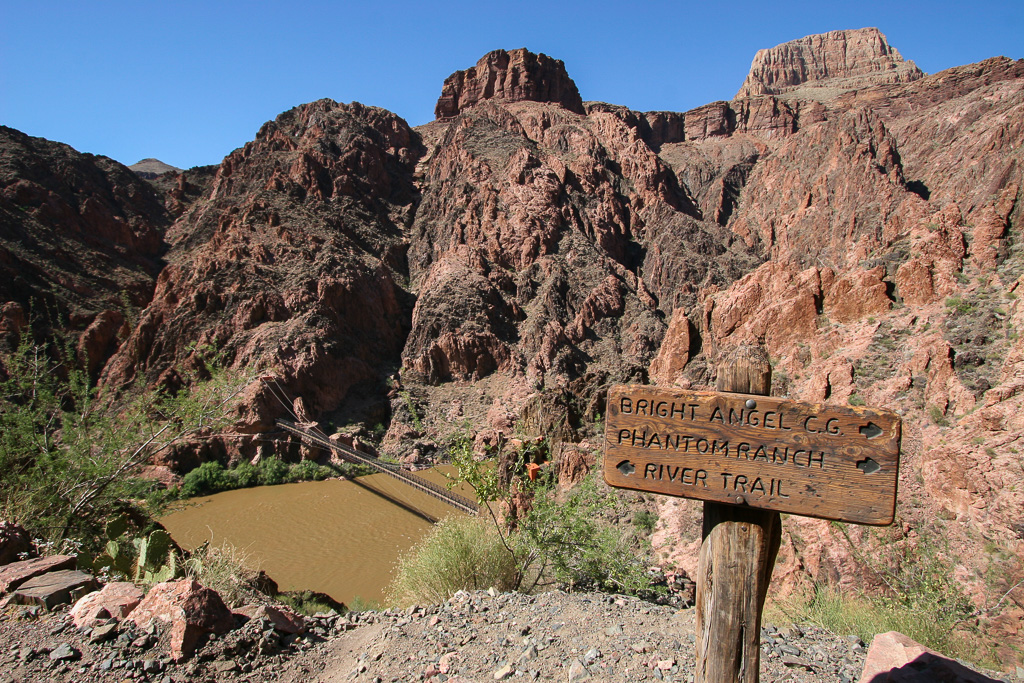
column 837, row 60
column 513, row 76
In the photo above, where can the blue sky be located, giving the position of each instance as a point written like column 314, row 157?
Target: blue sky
column 187, row 82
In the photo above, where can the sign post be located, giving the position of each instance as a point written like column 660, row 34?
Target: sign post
column 748, row 457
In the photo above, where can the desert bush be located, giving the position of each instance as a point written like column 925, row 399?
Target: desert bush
column 246, row 475
column 563, row 539
column 68, row 460
column 224, row 568
column 921, row 599
column 460, row 553
column 645, row 520
column 570, row 542
column 867, row 616
column 271, row 471
column 210, row 477
column 307, row 470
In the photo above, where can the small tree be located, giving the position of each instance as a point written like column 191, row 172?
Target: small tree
column 67, row 461
column 561, row 538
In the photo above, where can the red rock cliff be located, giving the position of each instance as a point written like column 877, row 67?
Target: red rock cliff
column 835, row 60
column 511, row 76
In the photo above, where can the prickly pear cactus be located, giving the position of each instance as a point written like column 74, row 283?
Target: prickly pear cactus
column 118, row 556
column 165, row 573
column 116, row 527
column 157, row 560
column 153, row 551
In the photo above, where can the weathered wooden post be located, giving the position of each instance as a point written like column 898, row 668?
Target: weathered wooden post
column 749, row 456
column 737, row 556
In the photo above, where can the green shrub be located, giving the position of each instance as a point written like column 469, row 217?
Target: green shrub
column 210, row 477
column 245, row 475
column 937, row 416
column 645, row 520
column 271, row 471
column 575, row 547
column 460, row 553
column 307, row 470
column 562, row 539
column 920, row 619
column 921, row 599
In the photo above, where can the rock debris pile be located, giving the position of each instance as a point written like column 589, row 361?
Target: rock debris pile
column 471, row 637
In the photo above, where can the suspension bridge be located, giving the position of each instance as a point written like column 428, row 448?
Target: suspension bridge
column 354, row 456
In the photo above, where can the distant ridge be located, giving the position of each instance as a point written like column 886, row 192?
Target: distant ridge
column 152, row 168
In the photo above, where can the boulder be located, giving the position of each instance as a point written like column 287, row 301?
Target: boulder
column 54, row 588
column 14, row 574
column 115, row 600
column 895, row 658
column 857, row 294
column 14, row 540
column 284, row 620
column 674, row 353
column 189, row 608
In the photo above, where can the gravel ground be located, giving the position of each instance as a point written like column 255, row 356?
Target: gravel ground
column 472, row 637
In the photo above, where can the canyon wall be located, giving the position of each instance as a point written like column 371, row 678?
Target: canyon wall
column 496, row 270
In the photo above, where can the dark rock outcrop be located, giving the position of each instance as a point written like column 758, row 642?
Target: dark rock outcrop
column 81, row 238
column 14, row 541
column 512, row 76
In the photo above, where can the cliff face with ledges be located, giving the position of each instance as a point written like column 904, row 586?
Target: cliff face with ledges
column 81, row 238
column 292, row 263
column 843, row 60
column 513, row 76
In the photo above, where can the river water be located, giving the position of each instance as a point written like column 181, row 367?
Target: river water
column 336, row 537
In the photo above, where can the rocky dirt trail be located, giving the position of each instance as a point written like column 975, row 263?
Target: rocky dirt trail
column 477, row 636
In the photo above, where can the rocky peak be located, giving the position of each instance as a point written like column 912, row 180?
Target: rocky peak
column 152, row 168
column 510, row 76
column 828, row 63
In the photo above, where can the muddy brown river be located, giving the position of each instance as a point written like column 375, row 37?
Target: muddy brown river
column 336, row 537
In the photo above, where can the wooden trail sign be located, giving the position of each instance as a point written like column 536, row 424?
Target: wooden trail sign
column 834, row 462
column 748, row 457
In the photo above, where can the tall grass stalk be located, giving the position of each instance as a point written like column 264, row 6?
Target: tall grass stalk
column 226, row 569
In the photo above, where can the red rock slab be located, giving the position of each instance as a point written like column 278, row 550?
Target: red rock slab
column 283, row 620
column 115, row 600
column 190, row 608
column 54, row 588
column 17, row 573
column 895, row 658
